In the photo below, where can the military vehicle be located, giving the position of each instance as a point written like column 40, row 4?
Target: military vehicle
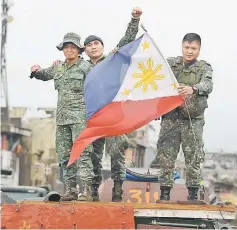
column 140, row 209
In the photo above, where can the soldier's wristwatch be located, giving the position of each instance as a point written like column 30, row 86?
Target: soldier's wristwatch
column 195, row 89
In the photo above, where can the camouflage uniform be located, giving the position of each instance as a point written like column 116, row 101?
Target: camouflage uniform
column 115, row 147
column 117, row 144
column 176, row 127
column 98, row 147
column 70, row 118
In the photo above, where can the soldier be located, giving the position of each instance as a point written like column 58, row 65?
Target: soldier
column 184, row 125
column 115, row 146
column 69, row 79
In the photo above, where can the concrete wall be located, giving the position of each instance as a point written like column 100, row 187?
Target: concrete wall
column 37, row 161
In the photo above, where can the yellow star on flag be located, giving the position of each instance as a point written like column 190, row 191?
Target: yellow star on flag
column 174, row 85
column 126, row 92
column 145, row 45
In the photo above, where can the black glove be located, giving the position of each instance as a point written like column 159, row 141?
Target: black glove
column 32, row 75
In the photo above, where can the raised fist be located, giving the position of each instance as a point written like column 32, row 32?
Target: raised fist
column 35, row 68
column 136, row 12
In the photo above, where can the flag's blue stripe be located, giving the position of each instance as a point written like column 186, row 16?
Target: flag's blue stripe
column 104, row 80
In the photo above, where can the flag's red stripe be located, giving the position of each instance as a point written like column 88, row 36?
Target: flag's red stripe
column 122, row 117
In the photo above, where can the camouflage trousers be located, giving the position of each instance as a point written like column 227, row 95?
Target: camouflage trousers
column 178, row 132
column 65, row 136
column 98, row 146
column 115, row 147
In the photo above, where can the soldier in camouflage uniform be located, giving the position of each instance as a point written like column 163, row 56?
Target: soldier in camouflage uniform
column 184, row 125
column 115, row 146
column 69, row 79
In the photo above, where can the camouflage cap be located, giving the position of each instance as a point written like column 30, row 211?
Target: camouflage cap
column 73, row 38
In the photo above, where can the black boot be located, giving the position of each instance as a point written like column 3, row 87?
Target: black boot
column 193, row 193
column 70, row 193
column 117, row 192
column 95, row 192
column 165, row 192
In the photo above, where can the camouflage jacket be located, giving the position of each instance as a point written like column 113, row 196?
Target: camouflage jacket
column 69, row 82
column 199, row 74
column 205, row 85
column 129, row 36
column 130, row 33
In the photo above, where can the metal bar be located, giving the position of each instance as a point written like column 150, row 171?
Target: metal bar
column 201, row 214
column 176, row 224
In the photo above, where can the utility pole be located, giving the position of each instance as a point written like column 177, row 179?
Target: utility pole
column 5, row 18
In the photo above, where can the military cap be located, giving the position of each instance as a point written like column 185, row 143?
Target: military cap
column 73, row 38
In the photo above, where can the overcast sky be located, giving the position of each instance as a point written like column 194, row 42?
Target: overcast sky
column 39, row 25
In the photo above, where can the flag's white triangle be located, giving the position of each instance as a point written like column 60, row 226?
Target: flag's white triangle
column 148, row 76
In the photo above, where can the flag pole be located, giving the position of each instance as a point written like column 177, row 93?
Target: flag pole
column 143, row 27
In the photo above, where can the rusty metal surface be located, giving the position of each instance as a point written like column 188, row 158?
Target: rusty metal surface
column 143, row 192
column 67, row 216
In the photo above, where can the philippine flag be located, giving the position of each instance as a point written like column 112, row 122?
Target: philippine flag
column 126, row 91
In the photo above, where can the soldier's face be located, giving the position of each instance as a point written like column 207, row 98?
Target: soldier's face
column 190, row 50
column 70, row 51
column 94, row 49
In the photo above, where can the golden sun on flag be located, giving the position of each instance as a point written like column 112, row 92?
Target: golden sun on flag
column 148, row 76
